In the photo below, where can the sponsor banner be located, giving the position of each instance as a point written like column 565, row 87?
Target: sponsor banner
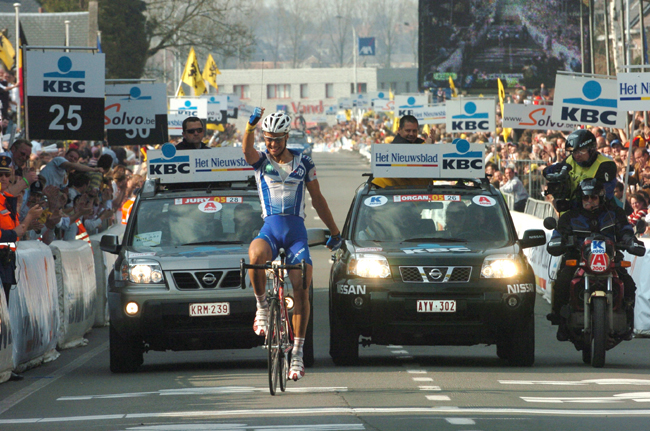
column 471, row 115
column 536, row 117
column 583, row 100
column 383, row 105
column 426, row 198
column 345, row 103
column 142, row 136
column 175, row 124
column 132, row 106
column 184, row 166
column 633, row 91
column 430, row 114
column 189, row 106
column 360, row 101
column 219, row 199
column 406, row 103
column 457, row 160
column 65, row 95
column 217, row 109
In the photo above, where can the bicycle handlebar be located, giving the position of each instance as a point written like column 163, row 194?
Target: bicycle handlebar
column 302, row 266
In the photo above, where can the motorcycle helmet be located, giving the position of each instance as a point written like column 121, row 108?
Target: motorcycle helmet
column 592, row 187
column 581, row 139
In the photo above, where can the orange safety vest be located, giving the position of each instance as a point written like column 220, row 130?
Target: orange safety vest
column 82, row 234
column 126, row 210
column 6, row 222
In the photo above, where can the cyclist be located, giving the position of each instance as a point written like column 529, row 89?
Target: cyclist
column 282, row 176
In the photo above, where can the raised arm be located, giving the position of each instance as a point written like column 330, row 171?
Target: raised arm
column 248, row 145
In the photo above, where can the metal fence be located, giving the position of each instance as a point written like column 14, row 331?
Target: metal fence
column 530, row 176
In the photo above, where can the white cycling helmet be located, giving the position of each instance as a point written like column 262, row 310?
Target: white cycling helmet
column 278, row 122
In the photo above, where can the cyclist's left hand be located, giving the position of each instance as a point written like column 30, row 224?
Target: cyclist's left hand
column 334, row 243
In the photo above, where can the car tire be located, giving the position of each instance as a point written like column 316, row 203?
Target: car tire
column 125, row 355
column 344, row 345
column 503, row 350
column 308, row 347
column 522, row 343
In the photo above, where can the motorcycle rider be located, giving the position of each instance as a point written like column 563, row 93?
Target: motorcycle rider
column 595, row 215
column 584, row 162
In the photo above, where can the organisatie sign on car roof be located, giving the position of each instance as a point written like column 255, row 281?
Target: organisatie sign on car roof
column 186, row 166
column 459, row 159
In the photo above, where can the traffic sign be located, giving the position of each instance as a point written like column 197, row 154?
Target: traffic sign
column 65, row 95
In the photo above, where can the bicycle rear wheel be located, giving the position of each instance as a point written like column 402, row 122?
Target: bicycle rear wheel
column 274, row 345
column 285, row 355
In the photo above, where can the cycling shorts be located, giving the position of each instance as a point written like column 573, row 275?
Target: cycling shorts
column 288, row 232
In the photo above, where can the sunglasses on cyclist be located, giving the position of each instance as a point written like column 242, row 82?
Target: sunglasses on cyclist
column 272, row 139
column 192, row 131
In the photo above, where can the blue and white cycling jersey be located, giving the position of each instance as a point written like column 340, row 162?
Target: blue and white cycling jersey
column 287, row 196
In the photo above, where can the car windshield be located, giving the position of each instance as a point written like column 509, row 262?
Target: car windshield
column 197, row 220
column 414, row 218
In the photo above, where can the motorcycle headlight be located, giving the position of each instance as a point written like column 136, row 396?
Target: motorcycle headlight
column 500, row 266
column 142, row 271
column 369, row 266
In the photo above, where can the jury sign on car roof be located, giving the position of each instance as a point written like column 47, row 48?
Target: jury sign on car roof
column 459, row 159
column 185, row 166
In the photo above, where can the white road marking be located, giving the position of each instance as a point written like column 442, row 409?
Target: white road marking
column 201, row 391
column 416, row 371
column 400, row 352
column 429, row 388
column 223, row 427
column 460, row 421
column 16, row 398
column 639, row 397
column 437, row 410
column 633, row 382
column 438, row 398
column 390, row 346
column 422, row 379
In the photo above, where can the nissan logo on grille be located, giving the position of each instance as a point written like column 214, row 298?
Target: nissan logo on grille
column 435, row 273
column 209, row 279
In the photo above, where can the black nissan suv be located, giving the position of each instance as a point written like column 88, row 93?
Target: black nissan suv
column 436, row 264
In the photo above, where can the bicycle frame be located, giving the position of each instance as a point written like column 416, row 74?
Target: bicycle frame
column 282, row 337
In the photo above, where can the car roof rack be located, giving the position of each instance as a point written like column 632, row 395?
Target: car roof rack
column 467, row 183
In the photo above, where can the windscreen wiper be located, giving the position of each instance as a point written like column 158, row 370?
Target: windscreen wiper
column 215, row 242
column 435, row 240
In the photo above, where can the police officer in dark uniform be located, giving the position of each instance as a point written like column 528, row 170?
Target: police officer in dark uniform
column 10, row 227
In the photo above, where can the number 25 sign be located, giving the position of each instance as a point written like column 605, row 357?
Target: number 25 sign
column 65, row 95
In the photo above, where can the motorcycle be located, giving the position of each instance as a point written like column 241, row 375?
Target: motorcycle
column 597, row 317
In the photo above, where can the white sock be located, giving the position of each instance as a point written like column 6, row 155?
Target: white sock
column 261, row 301
column 297, row 346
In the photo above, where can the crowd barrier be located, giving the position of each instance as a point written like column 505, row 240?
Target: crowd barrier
column 60, row 295
column 546, row 267
column 103, row 266
column 540, row 209
column 75, row 279
column 33, row 312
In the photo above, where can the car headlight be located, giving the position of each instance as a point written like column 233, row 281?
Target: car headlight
column 142, row 271
column 500, row 266
column 369, row 266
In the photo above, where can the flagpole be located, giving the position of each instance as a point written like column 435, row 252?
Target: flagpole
column 355, row 45
column 18, row 77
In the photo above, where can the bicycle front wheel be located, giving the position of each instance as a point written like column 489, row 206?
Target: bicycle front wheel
column 274, row 345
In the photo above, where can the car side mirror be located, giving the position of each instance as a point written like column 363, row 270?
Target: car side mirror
column 533, row 238
column 110, row 244
column 550, row 223
column 317, row 236
column 640, row 227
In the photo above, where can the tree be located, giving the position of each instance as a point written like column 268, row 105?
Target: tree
column 122, row 23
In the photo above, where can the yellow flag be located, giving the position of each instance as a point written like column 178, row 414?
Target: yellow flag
column 192, row 74
column 210, row 72
column 395, row 124
column 426, row 130
column 180, row 92
column 7, row 52
column 391, row 95
column 454, row 93
column 502, row 96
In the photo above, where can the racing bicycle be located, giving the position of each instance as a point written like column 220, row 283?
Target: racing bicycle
column 279, row 334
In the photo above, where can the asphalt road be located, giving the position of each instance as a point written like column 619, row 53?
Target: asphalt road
column 393, row 388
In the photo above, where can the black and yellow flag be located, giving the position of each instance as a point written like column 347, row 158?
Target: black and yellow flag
column 210, row 72
column 502, row 96
column 192, row 75
column 7, row 52
column 454, row 93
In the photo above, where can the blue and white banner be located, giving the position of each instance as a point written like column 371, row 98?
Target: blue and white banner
column 535, row 117
column 189, row 107
column 471, row 115
column 584, row 100
column 633, row 91
column 366, row 46
column 459, row 159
